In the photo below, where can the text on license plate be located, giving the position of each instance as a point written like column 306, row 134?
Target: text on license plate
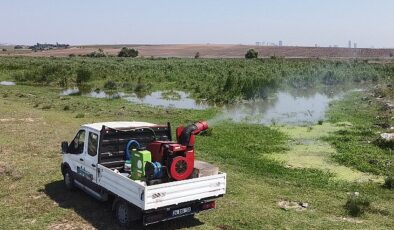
column 181, row 211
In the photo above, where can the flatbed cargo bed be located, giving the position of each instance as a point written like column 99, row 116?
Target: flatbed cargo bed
column 161, row 195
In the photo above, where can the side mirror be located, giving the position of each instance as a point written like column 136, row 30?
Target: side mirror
column 64, row 147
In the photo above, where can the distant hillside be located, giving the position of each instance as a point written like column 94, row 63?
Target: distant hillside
column 219, row 51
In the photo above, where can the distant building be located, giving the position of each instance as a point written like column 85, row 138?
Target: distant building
column 46, row 46
column 355, row 45
column 350, row 44
column 280, row 43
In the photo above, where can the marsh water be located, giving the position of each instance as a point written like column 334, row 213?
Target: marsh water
column 7, row 83
column 280, row 105
column 181, row 101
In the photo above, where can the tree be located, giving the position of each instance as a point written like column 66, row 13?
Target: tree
column 251, row 54
column 126, row 52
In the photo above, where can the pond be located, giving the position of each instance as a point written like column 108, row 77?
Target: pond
column 177, row 99
column 165, row 99
column 283, row 105
column 287, row 106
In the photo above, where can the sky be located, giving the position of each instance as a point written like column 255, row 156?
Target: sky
column 295, row 22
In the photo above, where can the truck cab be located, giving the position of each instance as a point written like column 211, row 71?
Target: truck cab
column 94, row 161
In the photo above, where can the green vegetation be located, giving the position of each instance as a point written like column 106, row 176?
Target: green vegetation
column 389, row 182
column 356, row 145
column 217, row 80
column 110, row 85
column 307, row 149
column 83, row 76
column 251, row 54
column 126, row 52
column 357, row 205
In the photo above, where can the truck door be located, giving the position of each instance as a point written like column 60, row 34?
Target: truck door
column 75, row 152
column 89, row 170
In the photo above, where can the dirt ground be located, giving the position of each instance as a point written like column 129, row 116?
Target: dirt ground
column 214, row 51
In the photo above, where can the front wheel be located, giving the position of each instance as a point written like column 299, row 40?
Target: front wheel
column 68, row 180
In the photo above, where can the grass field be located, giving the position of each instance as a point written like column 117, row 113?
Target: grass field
column 35, row 119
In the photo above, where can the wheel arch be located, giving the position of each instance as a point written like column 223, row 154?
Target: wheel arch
column 64, row 167
column 135, row 213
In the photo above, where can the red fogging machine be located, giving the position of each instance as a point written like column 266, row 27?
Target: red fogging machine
column 176, row 159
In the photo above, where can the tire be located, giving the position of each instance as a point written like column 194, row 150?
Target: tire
column 68, row 180
column 122, row 213
column 126, row 214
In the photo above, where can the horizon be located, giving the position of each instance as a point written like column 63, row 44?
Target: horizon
column 303, row 23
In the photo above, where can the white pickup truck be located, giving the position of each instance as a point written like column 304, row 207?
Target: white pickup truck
column 94, row 160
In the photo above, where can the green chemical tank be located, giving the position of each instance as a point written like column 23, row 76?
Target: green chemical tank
column 138, row 161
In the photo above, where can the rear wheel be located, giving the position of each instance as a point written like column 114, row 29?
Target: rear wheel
column 122, row 213
column 68, row 180
column 125, row 213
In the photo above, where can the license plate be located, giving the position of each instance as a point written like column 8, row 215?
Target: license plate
column 181, row 211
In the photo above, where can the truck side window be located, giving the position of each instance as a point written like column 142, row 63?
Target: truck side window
column 77, row 145
column 92, row 144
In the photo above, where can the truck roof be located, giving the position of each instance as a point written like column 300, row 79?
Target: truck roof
column 118, row 124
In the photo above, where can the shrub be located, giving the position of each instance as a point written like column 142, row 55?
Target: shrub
column 71, row 55
column 46, row 107
column 83, row 75
column 356, row 205
column 4, row 50
column 389, row 182
column 17, row 47
column 126, row 52
column 45, row 74
column 97, row 54
column 110, row 85
column 197, row 55
column 330, row 78
column 251, row 54
column 320, row 122
column 80, row 115
column 66, row 108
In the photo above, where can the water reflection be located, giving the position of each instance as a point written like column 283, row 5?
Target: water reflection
column 180, row 100
column 70, row 92
column 166, row 99
column 103, row 94
column 7, row 83
column 282, row 105
column 287, row 105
